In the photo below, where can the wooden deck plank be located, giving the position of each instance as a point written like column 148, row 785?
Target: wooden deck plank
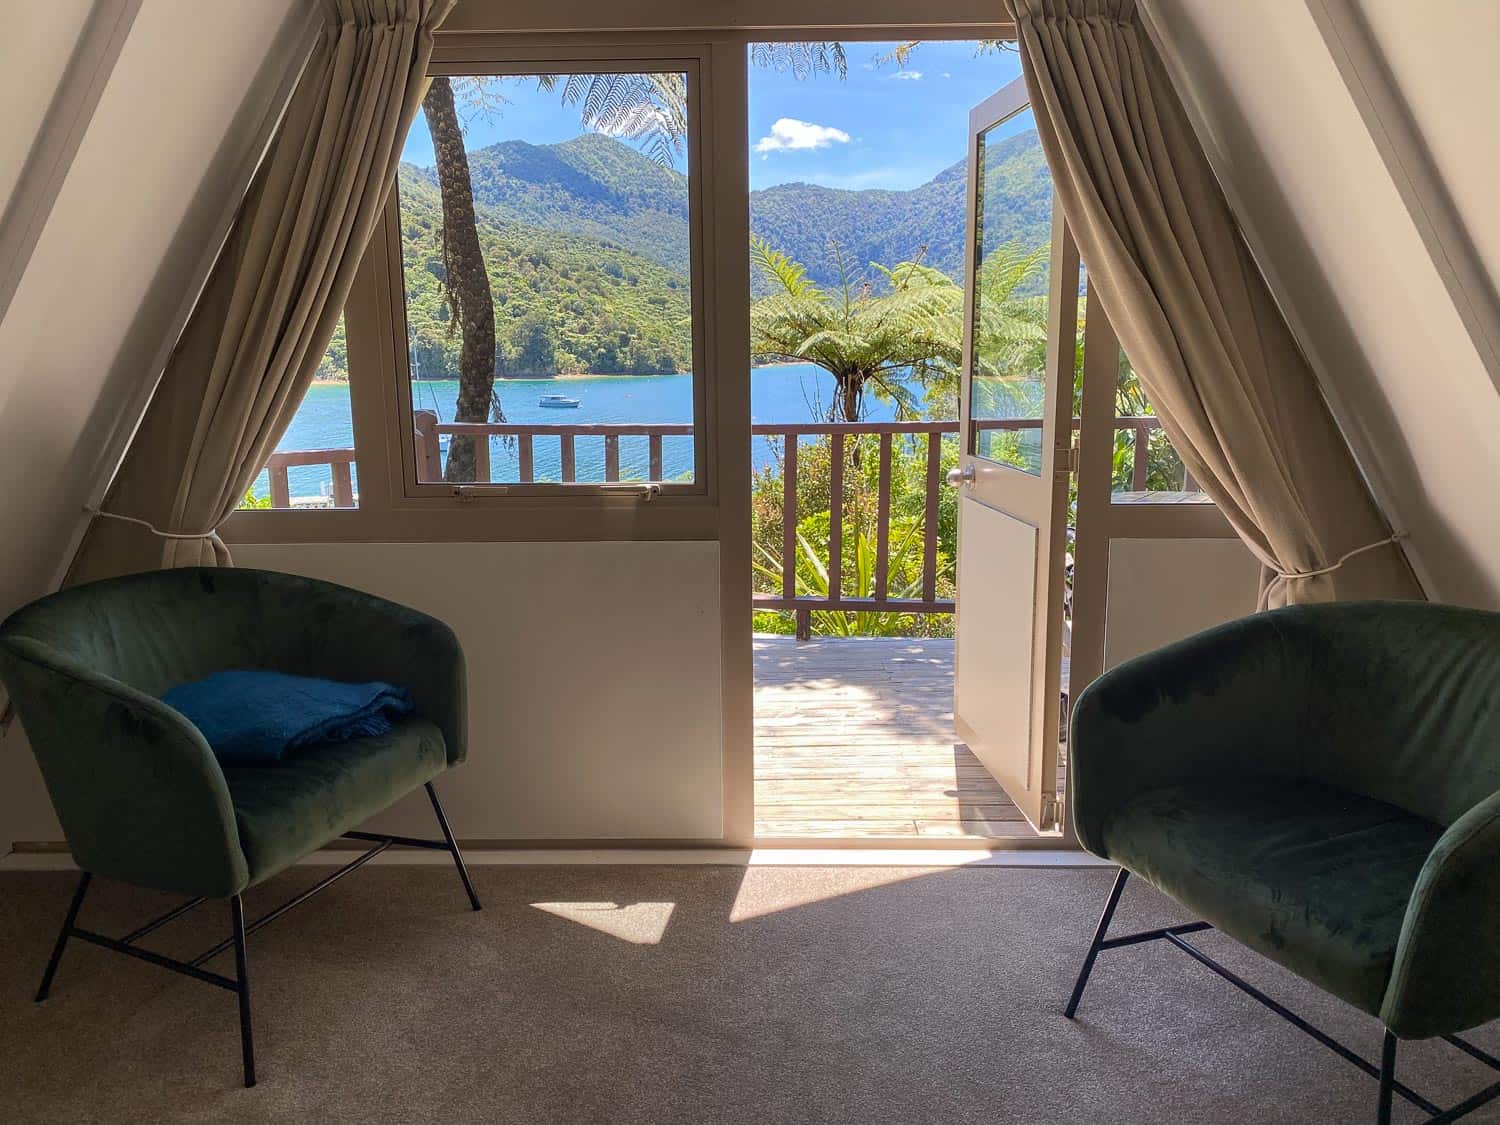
column 854, row 737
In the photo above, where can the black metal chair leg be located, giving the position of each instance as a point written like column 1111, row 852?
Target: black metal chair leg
column 1093, row 953
column 62, row 938
column 242, row 979
column 1387, row 1079
column 458, row 859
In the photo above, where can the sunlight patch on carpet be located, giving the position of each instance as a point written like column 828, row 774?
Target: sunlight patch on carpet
column 770, row 890
column 641, row 923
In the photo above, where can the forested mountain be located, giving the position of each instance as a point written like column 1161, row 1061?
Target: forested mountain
column 563, row 302
column 587, row 246
column 591, row 185
column 892, row 226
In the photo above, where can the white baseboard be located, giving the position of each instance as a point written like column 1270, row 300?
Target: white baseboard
column 666, row 857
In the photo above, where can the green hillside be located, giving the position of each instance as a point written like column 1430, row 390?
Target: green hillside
column 592, row 185
column 587, row 247
column 605, row 309
column 892, row 226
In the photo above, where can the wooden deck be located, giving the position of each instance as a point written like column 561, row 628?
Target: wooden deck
column 854, row 737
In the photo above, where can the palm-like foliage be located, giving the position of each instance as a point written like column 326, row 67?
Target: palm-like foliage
column 863, row 335
column 801, row 59
column 652, row 109
column 904, row 570
column 902, row 52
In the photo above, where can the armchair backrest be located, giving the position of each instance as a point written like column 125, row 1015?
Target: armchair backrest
column 1400, row 701
column 152, row 630
column 137, row 790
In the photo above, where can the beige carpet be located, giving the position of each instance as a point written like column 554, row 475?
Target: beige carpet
column 656, row 995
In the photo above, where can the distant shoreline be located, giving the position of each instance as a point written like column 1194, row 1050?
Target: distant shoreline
column 501, row 380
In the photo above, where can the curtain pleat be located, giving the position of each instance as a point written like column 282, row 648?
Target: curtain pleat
column 1166, row 259
column 275, row 294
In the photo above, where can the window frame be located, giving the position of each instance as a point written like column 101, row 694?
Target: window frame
column 408, row 487
column 393, row 506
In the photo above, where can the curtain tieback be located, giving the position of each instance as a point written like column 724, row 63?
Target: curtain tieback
column 1394, row 537
column 151, row 527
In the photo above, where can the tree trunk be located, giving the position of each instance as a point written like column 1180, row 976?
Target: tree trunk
column 467, row 284
column 850, row 397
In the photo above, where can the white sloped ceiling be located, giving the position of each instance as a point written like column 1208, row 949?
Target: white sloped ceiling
column 1340, row 215
column 123, row 236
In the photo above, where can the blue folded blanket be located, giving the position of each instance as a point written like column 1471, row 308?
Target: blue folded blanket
column 254, row 717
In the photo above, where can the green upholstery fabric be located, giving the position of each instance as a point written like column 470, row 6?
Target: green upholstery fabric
column 288, row 810
column 1313, row 877
column 1314, row 780
column 137, row 790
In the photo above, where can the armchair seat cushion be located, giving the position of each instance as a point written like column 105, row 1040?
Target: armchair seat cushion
column 1315, row 878
column 293, row 807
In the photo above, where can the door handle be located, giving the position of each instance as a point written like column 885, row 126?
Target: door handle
column 959, row 477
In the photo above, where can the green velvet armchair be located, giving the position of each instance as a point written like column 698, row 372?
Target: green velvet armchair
column 1321, row 783
column 141, row 797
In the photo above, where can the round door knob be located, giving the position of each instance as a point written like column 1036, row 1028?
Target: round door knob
column 965, row 475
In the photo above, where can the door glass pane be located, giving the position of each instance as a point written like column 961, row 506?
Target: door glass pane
column 546, row 246
column 1147, row 470
column 1012, row 254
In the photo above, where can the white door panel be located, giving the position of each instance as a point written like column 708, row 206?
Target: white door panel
column 1015, row 430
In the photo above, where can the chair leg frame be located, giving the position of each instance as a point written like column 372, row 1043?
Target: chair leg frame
column 240, row 930
column 1385, row 1072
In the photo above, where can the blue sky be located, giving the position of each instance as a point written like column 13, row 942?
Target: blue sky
column 881, row 127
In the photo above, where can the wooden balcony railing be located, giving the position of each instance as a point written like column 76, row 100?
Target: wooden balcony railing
column 878, row 599
column 430, row 433
column 338, row 460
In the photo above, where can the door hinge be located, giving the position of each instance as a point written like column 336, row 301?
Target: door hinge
column 1051, row 813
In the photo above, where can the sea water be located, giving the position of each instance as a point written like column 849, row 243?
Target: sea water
column 794, row 392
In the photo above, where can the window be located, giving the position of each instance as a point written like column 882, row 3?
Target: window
column 547, row 249
column 1147, row 470
column 314, row 463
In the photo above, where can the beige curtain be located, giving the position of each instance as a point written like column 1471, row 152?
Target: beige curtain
column 1166, row 259
column 275, row 294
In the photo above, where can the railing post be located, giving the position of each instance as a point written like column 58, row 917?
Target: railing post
column 804, row 623
column 343, row 485
column 930, row 515
column 526, row 461
column 429, row 453
column 611, row 457
column 1139, row 465
column 789, row 518
column 281, row 489
column 569, row 460
column 883, row 523
column 481, row 458
column 654, row 441
column 836, row 519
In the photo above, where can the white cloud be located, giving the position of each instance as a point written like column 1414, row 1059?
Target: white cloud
column 789, row 133
column 947, row 75
column 908, row 75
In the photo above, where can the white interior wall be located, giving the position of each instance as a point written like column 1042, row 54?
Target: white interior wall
column 1345, row 257
column 43, row 35
column 594, row 680
column 1443, row 64
column 1161, row 590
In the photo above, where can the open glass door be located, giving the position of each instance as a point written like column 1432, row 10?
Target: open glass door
column 1015, row 434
